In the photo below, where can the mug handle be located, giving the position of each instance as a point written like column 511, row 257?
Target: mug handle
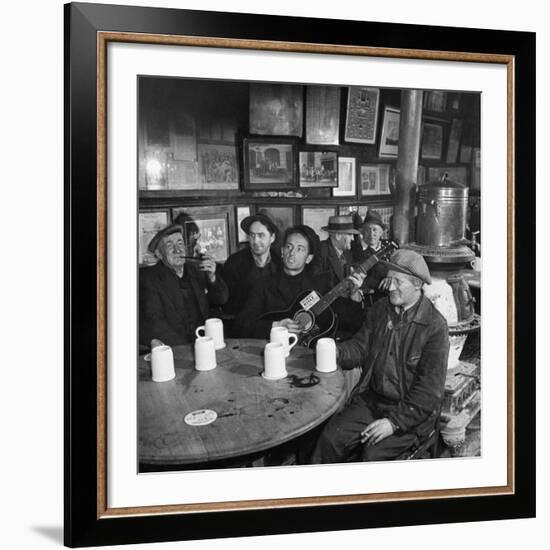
column 198, row 329
column 290, row 336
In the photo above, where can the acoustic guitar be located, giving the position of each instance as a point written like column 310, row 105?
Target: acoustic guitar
column 313, row 312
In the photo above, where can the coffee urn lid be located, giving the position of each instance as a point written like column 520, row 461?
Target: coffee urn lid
column 442, row 188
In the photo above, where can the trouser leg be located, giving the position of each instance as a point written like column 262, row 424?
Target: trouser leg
column 342, row 435
column 388, row 448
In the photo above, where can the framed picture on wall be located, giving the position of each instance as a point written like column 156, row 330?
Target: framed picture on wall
column 283, row 216
column 318, row 169
column 207, row 229
column 346, row 178
column 269, row 163
column 362, row 114
column 241, row 212
column 322, row 115
column 435, row 101
column 276, row 110
column 317, row 217
column 374, row 179
column 218, row 166
column 149, row 223
column 113, row 428
column 389, row 138
column 432, row 141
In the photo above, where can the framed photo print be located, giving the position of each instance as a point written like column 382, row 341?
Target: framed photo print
column 199, row 423
column 149, row 224
column 322, row 115
column 389, row 139
column 317, row 217
column 207, row 230
column 283, row 216
column 218, row 166
column 362, row 114
column 346, row 178
column 375, row 179
column 276, row 110
column 318, row 169
column 432, row 140
column 269, row 163
column 435, row 101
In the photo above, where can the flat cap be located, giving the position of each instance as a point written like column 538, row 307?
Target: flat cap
column 164, row 232
column 411, row 263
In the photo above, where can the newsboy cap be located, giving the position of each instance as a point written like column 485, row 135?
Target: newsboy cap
column 374, row 217
column 340, row 224
column 262, row 217
column 164, row 232
column 411, row 263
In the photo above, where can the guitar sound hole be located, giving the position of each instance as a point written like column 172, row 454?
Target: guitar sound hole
column 304, row 319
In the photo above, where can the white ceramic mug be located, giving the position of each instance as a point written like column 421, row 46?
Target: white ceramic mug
column 325, row 355
column 205, row 353
column 162, row 364
column 274, row 361
column 214, row 328
column 476, row 264
column 281, row 335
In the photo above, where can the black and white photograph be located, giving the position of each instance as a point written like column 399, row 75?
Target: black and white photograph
column 244, row 310
column 269, row 163
column 252, row 338
column 318, row 169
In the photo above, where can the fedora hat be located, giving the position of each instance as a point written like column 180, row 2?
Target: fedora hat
column 373, row 216
column 164, row 232
column 340, row 224
column 262, row 217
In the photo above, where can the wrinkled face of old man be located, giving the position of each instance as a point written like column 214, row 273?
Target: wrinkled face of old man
column 372, row 233
column 171, row 251
column 404, row 289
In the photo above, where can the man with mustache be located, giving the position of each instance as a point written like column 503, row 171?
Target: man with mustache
column 175, row 294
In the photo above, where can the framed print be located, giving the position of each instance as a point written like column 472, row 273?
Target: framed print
column 322, row 115
column 435, row 101
column 389, row 139
column 318, row 169
column 346, row 178
column 375, row 179
column 432, row 140
column 362, row 114
column 149, row 224
column 346, row 210
column 276, row 110
column 283, row 216
column 241, row 212
column 269, row 163
column 112, row 392
column 218, row 166
column 213, row 228
column 317, row 217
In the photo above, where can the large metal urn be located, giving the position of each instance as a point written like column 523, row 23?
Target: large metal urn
column 441, row 222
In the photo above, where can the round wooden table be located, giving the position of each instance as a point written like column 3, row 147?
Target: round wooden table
column 253, row 414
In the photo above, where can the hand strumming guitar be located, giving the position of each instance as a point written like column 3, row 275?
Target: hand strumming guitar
column 357, row 278
column 289, row 324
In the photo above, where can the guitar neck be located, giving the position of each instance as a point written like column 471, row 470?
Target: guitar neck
column 345, row 285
